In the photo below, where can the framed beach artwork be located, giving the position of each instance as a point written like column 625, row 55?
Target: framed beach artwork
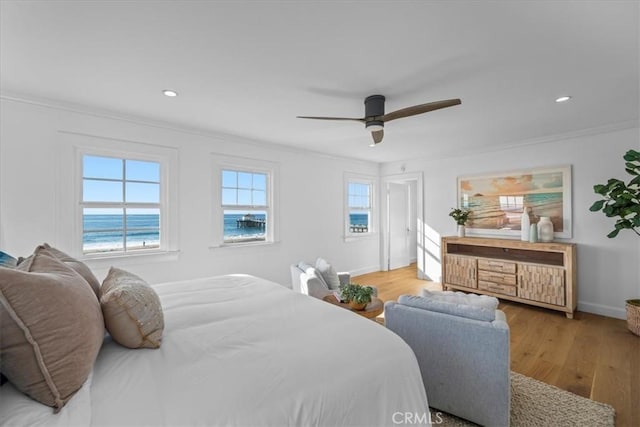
column 496, row 201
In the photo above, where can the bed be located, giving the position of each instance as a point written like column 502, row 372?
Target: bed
column 243, row 351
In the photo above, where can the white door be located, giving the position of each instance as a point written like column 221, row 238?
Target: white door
column 398, row 227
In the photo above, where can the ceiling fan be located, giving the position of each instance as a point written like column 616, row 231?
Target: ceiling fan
column 375, row 118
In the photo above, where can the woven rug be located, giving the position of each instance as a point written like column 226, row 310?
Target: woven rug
column 534, row 403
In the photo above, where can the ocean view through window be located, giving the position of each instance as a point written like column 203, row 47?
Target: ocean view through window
column 359, row 207
column 120, row 202
column 245, row 206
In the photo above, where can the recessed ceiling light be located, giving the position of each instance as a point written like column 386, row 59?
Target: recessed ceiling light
column 563, row 99
column 169, row 92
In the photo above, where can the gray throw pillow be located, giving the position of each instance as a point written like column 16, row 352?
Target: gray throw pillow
column 328, row 273
column 461, row 310
column 486, row 301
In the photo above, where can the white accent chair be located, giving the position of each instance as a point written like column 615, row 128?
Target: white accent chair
column 318, row 280
column 462, row 345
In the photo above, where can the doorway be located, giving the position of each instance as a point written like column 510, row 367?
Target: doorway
column 402, row 215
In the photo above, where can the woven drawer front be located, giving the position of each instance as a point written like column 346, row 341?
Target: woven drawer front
column 496, row 265
column 460, row 270
column 492, row 276
column 497, row 288
column 541, row 283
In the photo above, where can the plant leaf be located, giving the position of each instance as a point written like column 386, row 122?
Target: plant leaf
column 597, row 206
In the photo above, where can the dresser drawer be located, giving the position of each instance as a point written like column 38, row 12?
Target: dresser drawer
column 501, row 278
column 496, row 265
column 497, row 288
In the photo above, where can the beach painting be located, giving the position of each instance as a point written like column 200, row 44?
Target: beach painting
column 497, row 200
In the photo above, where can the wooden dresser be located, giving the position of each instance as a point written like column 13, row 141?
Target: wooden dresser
column 542, row 274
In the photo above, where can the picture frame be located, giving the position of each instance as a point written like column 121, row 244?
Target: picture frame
column 497, row 200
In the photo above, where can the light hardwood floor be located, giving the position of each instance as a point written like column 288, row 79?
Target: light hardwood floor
column 592, row 356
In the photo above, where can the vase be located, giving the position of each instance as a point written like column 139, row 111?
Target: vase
column 533, row 233
column 525, row 225
column 461, row 231
column 357, row 305
column 545, row 229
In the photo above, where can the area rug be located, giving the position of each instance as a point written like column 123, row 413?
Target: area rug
column 534, row 403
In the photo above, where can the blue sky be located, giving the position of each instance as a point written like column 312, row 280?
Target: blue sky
column 103, row 182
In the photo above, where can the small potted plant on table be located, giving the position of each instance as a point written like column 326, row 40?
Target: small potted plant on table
column 357, row 296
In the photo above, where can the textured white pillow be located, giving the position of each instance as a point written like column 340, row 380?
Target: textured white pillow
column 132, row 311
column 486, row 301
column 328, row 273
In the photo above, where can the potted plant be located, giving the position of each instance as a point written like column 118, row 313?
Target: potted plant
column 461, row 216
column 622, row 201
column 356, row 295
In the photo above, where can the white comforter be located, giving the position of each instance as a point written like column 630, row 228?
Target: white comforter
column 242, row 351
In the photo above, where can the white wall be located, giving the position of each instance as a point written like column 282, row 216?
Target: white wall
column 608, row 271
column 32, row 136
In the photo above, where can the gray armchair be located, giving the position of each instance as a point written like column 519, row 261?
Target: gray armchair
column 462, row 351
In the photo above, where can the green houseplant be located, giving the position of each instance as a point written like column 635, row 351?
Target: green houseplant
column 357, row 296
column 461, row 216
column 622, row 201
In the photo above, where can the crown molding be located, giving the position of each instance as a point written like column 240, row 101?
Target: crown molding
column 159, row 124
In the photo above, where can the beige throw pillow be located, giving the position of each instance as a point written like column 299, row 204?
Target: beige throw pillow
column 132, row 310
column 52, row 328
column 79, row 267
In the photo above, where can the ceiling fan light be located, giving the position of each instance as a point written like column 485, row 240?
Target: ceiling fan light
column 374, row 127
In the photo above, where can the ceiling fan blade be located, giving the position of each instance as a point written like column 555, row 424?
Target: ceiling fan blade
column 419, row 109
column 377, row 136
column 331, row 118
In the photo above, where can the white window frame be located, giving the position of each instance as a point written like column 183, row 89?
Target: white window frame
column 241, row 164
column 168, row 205
column 373, row 187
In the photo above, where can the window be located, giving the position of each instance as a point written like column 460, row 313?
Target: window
column 121, row 204
column 359, row 218
column 243, row 201
column 244, row 205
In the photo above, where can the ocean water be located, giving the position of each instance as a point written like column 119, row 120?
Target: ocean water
column 105, row 231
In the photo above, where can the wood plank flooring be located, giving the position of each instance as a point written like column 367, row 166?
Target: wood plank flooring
column 592, row 356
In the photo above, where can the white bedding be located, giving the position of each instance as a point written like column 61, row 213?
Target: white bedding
column 242, row 351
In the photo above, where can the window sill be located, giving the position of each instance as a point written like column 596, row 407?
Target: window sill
column 106, row 260
column 243, row 244
column 360, row 237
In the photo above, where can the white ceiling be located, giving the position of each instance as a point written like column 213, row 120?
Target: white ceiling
column 248, row 68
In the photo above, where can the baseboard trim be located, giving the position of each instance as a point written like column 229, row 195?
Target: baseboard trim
column 603, row 310
column 365, row 270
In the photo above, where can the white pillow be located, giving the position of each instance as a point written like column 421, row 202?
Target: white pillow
column 486, row 301
column 328, row 273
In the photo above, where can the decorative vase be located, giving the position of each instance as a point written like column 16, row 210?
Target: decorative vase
column 461, row 231
column 533, row 233
column 525, row 224
column 545, row 229
column 357, row 306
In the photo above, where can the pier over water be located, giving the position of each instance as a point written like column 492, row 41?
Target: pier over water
column 250, row 221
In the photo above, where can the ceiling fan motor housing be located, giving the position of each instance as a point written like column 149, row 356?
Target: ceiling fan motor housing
column 373, row 107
